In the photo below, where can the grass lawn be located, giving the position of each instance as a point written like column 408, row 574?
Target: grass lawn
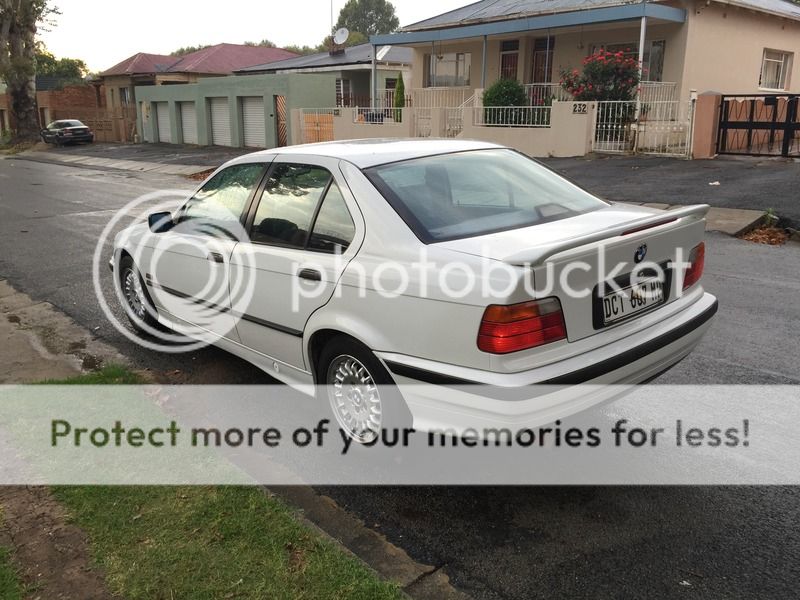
column 10, row 587
column 209, row 542
column 212, row 542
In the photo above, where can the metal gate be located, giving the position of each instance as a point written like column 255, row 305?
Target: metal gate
column 253, row 122
column 662, row 128
column 162, row 121
column 188, row 122
column 220, row 122
column 759, row 125
column 280, row 121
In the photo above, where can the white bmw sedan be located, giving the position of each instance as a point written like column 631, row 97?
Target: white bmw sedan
column 463, row 266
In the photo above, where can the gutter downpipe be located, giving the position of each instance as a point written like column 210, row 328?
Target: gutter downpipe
column 483, row 63
column 374, row 82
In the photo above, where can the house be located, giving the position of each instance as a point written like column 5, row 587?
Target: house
column 352, row 68
column 732, row 62
column 731, row 46
column 237, row 111
column 143, row 69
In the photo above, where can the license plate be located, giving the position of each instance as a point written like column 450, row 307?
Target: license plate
column 632, row 300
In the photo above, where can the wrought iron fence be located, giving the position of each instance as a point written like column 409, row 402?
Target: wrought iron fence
column 540, row 94
column 439, row 97
column 513, row 116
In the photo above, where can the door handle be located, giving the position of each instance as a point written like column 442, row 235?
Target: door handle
column 215, row 257
column 310, row 274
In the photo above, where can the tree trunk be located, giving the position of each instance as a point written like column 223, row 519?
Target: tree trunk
column 22, row 87
column 18, row 20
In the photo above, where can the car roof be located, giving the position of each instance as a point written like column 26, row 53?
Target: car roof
column 372, row 152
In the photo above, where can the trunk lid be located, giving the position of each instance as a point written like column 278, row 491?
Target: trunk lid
column 608, row 244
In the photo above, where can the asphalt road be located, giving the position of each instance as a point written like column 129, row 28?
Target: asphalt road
column 743, row 182
column 495, row 542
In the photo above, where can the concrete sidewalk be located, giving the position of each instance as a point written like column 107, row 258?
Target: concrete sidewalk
column 112, row 163
column 170, row 159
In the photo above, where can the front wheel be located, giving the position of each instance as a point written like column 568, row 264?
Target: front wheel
column 362, row 395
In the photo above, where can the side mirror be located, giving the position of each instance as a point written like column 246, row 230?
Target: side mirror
column 43, row 131
column 160, row 222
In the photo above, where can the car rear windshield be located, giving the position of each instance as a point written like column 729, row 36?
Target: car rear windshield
column 467, row 194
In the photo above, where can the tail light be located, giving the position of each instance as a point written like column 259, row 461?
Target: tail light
column 506, row 329
column 697, row 263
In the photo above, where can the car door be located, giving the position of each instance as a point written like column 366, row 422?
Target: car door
column 304, row 228
column 51, row 132
column 188, row 270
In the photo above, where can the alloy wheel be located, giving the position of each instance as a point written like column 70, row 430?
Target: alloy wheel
column 354, row 398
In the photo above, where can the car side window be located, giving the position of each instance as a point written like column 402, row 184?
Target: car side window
column 222, row 199
column 288, row 205
column 334, row 228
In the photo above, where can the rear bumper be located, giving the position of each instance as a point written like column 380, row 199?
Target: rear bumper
column 438, row 400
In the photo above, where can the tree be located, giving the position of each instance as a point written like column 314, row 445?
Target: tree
column 354, row 39
column 72, row 69
column 183, row 51
column 265, row 43
column 19, row 20
column 369, row 17
column 305, row 50
column 399, row 98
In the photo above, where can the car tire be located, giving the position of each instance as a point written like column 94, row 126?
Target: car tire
column 140, row 309
column 361, row 393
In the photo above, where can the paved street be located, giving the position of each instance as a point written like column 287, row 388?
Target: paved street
column 744, row 182
column 499, row 542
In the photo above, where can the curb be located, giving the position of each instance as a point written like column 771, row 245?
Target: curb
column 323, row 514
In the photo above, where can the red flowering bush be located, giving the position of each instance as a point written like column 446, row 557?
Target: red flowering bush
column 605, row 76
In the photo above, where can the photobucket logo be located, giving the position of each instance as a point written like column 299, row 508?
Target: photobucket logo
column 179, row 270
column 485, row 280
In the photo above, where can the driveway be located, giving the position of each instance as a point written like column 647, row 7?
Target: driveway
column 744, row 182
column 494, row 543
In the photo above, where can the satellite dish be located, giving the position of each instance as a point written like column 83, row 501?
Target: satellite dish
column 341, row 35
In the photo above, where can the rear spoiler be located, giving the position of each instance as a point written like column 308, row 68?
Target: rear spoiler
column 539, row 254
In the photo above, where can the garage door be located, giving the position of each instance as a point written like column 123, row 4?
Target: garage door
column 188, row 122
column 162, row 118
column 253, row 122
column 220, row 122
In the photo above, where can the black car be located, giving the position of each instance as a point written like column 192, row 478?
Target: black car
column 65, row 131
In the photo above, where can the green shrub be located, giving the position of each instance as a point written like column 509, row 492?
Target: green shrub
column 505, row 92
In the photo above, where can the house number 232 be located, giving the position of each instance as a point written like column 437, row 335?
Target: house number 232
column 580, row 108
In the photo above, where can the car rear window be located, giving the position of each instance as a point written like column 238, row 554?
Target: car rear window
column 467, row 194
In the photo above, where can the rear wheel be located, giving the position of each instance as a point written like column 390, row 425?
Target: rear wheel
column 139, row 307
column 360, row 391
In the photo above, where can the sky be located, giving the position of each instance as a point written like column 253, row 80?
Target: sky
column 105, row 33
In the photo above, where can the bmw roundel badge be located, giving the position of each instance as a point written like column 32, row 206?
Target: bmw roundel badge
column 641, row 252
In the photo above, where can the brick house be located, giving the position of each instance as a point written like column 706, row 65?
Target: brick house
column 143, row 69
